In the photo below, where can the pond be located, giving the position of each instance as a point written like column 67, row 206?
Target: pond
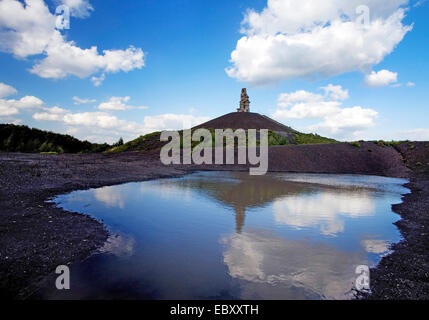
column 229, row 235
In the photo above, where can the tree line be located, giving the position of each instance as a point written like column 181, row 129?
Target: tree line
column 16, row 138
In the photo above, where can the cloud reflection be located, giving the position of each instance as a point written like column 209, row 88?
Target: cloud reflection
column 375, row 246
column 110, row 196
column 323, row 209
column 119, row 245
column 271, row 267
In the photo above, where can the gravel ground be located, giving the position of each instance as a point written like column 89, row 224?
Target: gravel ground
column 404, row 274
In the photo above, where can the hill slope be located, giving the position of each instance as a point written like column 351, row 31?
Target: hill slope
column 245, row 120
column 15, row 138
column 279, row 134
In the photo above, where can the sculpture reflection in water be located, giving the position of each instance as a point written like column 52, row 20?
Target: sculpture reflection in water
column 295, row 203
column 269, row 266
column 294, row 236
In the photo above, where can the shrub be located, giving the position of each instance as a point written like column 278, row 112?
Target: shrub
column 381, row 143
column 311, row 138
column 355, row 144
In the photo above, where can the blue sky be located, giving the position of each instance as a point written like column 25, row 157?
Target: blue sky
column 166, row 65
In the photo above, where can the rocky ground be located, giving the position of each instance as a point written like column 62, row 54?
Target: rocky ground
column 35, row 236
column 404, row 274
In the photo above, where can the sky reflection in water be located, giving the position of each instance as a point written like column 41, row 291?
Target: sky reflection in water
column 233, row 236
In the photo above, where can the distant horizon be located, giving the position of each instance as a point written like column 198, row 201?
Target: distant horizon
column 132, row 139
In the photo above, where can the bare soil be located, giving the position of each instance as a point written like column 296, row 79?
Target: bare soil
column 245, row 120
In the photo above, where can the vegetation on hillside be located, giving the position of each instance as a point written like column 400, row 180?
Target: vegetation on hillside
column 392, row 143
column 142, row 143
column 311, row 138
column 152, row 141
column 15, row 138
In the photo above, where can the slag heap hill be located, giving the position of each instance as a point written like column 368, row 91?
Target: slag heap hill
column 280, row 134
column 244, row 119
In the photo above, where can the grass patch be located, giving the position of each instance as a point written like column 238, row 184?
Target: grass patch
column 152, row 141
column 275, row 139
column 355, row 144
column 310, row 138
column 139, row 144
column 394, row 144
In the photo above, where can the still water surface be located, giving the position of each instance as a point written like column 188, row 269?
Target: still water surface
column 226, row 235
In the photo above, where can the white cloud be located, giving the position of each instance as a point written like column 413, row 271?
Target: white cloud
column 25, row 31
column 7, row 119
column 7, row 110
column 99, row 126
column 310, row 110
column 303, row 104
column 97, row 81
column 46, row 116
column 102, row 126
column 99, row 119
column 353, row 120
column 118, row 104
column 6, row 90
column 172, row 121
column 78, row 8
column 411, row 84
column 78, row 100
column 337, row 121
column 30, row 30
column 94, row 126
column 50, row 114
column 295, row 38
column 336, row 92
column 381, row 78
column 65, row 58
column 287, row 99
column 10, row 107
column 418, row 134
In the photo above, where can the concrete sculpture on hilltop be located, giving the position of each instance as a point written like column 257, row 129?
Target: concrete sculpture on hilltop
column 244, row 102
